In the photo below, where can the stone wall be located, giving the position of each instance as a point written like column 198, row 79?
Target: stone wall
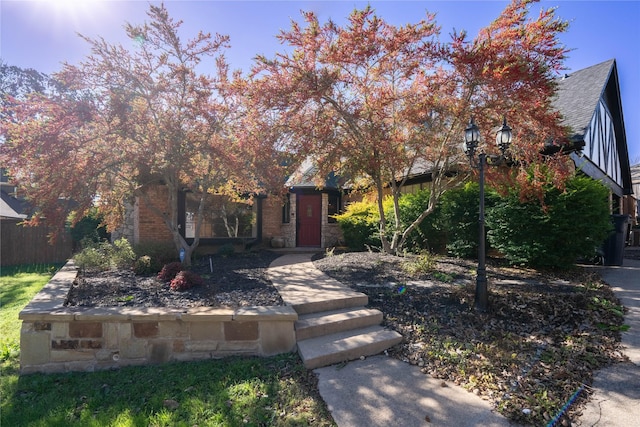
column 55, row 338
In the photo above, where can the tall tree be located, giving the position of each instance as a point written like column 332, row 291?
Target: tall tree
column 146, row 117
column 378, row 102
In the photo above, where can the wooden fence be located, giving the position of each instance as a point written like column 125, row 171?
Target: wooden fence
column 30, row 245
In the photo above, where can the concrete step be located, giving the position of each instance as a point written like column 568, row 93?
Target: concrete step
column 343, row 346
column 319, row 302
column 330, row 322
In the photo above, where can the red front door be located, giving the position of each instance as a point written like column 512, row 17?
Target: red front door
column 309, row 207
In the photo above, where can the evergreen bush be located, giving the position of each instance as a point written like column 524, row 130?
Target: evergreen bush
column 569, row 224
column 360, row 225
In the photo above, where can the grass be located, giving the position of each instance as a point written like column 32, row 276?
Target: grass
column 276, row 391
column 18, row 284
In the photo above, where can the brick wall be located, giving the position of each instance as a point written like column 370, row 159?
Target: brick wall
column 272, row 225
column 151, row 228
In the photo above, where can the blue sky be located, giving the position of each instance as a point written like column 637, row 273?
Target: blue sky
column 43, row 34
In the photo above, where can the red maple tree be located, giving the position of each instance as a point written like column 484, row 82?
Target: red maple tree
column 379, row 103
column 138, row 117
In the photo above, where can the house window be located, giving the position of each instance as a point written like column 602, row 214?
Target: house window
column 221, row 218
column 333, row 208
column 286, row 210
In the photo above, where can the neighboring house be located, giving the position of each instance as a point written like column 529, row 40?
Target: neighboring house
column 26, row 245
column 635, row 179
column 589, row 101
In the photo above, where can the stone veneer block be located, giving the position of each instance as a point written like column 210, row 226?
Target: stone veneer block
column 85, row 330
column 34, row 347
column 145, row 329
column 277, row 337
column 208, row 314
column 175, row 329
column 266, row 313
column 201, row 346
column 41, row 326
column 241, row 331
column 71, row 355
column 133, row 349
column 160, row 352
column 59, row 330
column 250, row 348
column 200, row 331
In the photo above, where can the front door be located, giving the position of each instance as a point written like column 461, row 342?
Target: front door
column 309, row 207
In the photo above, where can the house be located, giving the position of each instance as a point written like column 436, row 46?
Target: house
column 303, row 218
column 589, row 101
column 26, row 245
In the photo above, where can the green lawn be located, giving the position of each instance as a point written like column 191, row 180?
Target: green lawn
column 17, row 286
column 276, row 391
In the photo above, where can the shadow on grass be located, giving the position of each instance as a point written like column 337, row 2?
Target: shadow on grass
column 236, row 391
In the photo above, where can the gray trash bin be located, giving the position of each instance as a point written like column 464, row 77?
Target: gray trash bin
column 613, row 247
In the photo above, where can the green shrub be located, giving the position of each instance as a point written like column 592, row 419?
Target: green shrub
column 226, row 250
column 104, row 255
column 420, row 265
column 142, row 266
column 89, row 230
column 360, row 225
column 185, row 280
column 423, row 237
column 159, row 254
column 568, row 226
column 93, row 257
column 457, row 218
column 122, row 254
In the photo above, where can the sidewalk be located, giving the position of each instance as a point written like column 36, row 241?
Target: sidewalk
column 382, row 391
column 616, row 400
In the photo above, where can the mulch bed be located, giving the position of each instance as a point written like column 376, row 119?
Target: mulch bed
column 235, row 281
column 544, row 336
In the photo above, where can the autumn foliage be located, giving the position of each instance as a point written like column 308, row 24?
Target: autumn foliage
column 379, row 103
column 374, row 102
column 136, row 118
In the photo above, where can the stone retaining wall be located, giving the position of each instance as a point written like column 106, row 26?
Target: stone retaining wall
column 55, row 338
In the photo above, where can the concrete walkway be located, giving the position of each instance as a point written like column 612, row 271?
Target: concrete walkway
column 616, row 398
column 382, row 391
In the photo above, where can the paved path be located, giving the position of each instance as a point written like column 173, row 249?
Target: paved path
column 382, row 391
column 616, row 400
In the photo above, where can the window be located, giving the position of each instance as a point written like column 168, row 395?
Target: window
column 333, row 208
column 286, row 210
column 221, row 218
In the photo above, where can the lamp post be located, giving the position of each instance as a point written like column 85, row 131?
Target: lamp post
column 470, row 146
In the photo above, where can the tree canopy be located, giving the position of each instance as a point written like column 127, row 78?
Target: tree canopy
column 371, row 101
column 140, row 117
column 379, row 103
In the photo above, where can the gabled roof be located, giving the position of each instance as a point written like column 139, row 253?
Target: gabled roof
column 305, row 177
column 578, row 95
column 12, row 208
column 578, row 99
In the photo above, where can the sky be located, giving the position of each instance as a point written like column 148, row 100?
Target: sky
column 43, row 34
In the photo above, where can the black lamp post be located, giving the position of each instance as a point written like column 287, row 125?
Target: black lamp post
column 470, row 145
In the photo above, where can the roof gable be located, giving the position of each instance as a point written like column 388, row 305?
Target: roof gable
column 591, row 108
column 578, row 95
